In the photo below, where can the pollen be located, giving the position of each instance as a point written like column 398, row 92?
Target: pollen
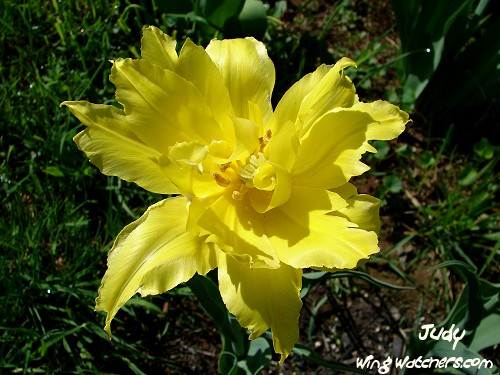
column 236, row 195
column 224, row 182
column 265, row 139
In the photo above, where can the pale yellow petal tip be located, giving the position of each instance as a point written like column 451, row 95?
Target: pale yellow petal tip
column 72, row 104
column 285, row 347
column 69, row 103
column 107, row 328
column 282, row 351
column 345, row 62
column 158, row 32
column 283, row 357
column 151, row 28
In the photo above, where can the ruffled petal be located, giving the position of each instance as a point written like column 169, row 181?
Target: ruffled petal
column 152, row 255
column 389, row 119
column 330, row 152
column 196, row 66
column 159, row 48
column 184, row 167
column 363, row 210
column 163, row 107
column 239, row 227
column 313, row 96
column 304, row 234
column 248, row 74
column 262, row 299
column 111, row 146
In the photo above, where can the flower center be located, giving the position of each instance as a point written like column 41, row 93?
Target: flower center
column 255, row 173
column 266, row 184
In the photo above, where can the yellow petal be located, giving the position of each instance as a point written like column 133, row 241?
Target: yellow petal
column 273, row 185
column 196, row 208
column 163, row 107
column 262, row 299
column 265, row 177
column 283, row 145
column 247, row 138
column 363, row 209
column 152, row 255
column 158, row 48
column 184, row 167
column 196, row 66
column 304, row 235
column 247, row 71
column 255, row 115
column 389, row 119
column 116, row 150
column 314, row 95
column 303, row 205
column 238, row 226
column 330, row 152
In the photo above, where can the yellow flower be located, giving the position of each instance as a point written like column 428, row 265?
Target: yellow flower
column 263, row 194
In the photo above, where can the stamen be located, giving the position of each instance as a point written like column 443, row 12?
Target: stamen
column 248, row 170
column 224, row 182
column 265, row 139
column 236, row 195
column 239, row 194
column 223, row 167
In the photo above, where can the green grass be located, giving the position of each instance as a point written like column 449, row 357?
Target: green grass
column 60, row 215
column 59, row 218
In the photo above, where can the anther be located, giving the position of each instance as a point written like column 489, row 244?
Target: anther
column 225, row 166
column 224, row 182
column 265, row 139
column 236, row 195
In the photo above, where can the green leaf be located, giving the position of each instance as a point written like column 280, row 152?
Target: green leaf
column 253, row 18
column 236, row 348
column 487, row 333
column 175, row 6
column 311, row 278
column 451, row 64
column 477, row 312
column 220, row 12
column 426, row 160
column 207, row 293
column 279, row 9
column 53, row 171
column 468, row 310
column 54, row 337
column 145, row 304
column 311, row 356
column 258, row 357
column 444, row 349
column 468, row 176
column 484, row 149
column 382, row 149
column 392, row 184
